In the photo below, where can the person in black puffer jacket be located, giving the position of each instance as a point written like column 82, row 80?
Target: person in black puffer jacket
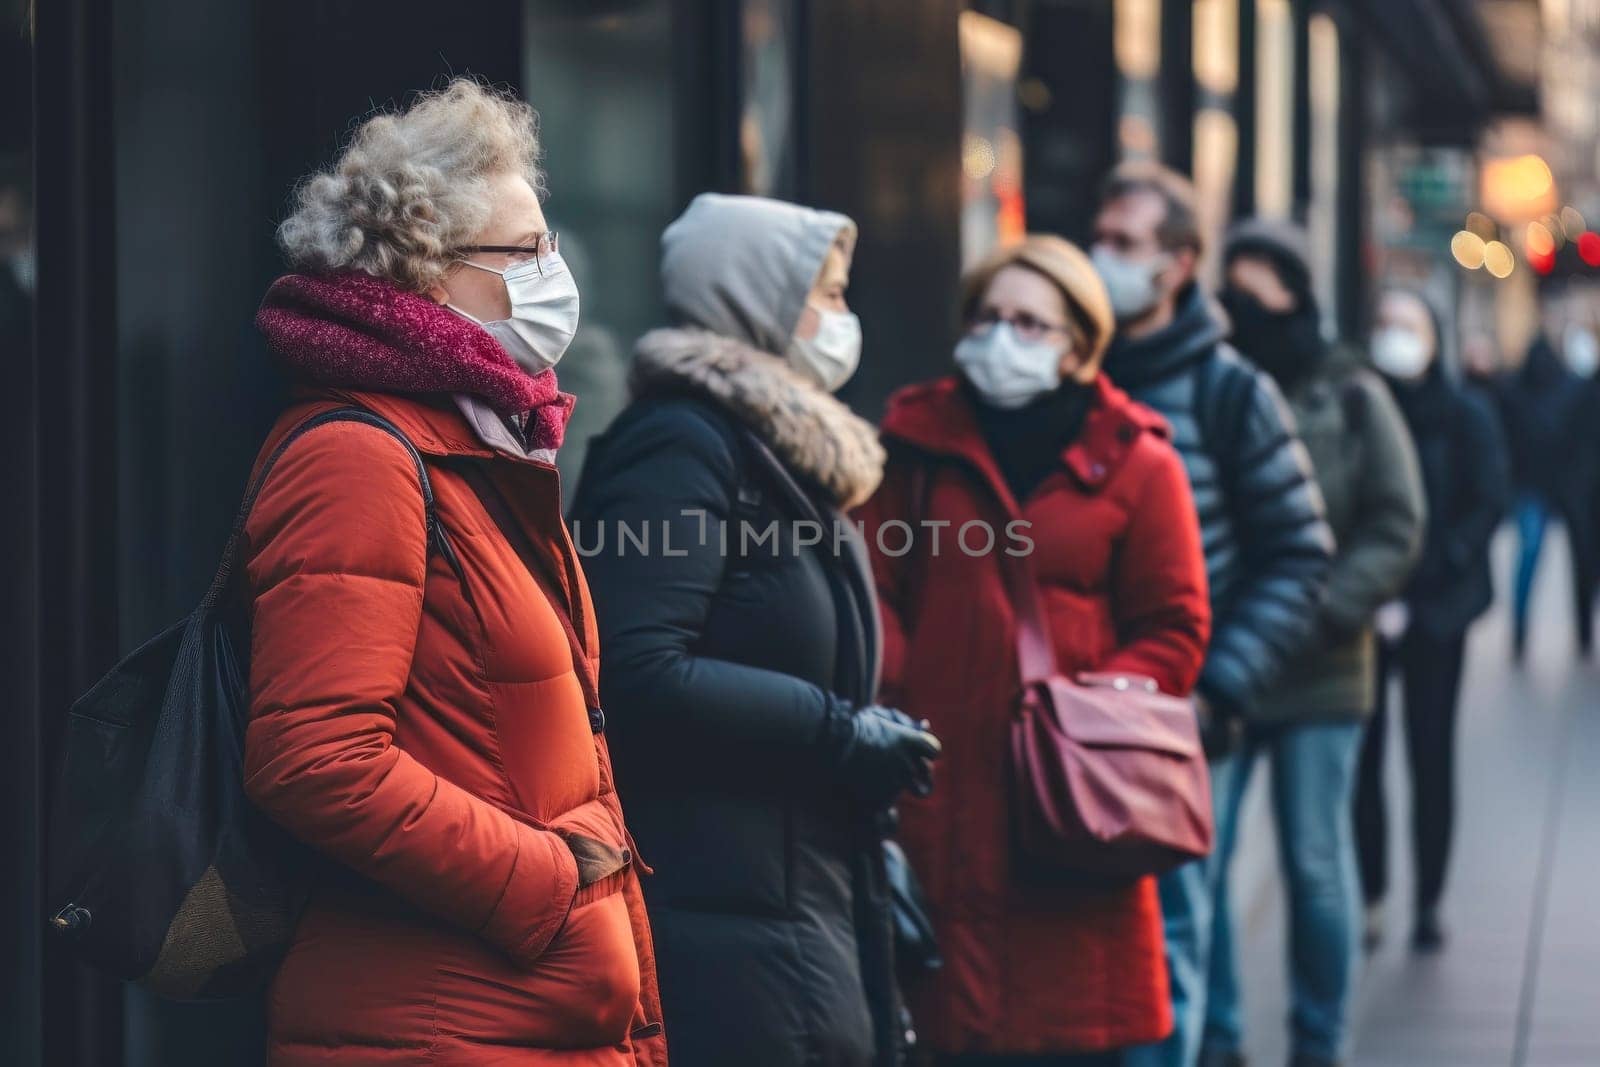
column 742, row 648
column 1268, row 545
column 1467, row 480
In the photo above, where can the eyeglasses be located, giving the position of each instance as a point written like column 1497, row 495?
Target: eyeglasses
column 1026, row 326
column 549, row 244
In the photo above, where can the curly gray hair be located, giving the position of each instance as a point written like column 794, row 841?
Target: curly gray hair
column 411, row 187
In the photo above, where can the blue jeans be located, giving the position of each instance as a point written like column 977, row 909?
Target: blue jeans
column 1186, row 916
column 1313, row 779
column 1533, row 517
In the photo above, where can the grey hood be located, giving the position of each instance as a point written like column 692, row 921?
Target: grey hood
column 742, row 266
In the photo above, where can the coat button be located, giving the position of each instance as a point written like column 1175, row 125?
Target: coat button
column 1098, row 470
column 597, row 720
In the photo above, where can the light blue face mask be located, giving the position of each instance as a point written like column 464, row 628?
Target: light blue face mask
column 1007, row 371
column 1130, row 283
column 544, row 311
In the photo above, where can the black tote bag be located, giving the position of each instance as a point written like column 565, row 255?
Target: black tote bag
column 159, row 868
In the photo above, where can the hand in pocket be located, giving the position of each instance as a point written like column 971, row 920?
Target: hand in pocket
column 596, row 859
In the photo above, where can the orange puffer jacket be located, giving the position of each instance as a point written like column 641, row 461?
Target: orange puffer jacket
column 431, row 736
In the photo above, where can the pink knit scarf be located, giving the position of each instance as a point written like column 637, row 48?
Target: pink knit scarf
column 351, row 330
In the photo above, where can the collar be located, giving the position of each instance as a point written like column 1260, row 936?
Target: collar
column 351, row 330
column 937, row 418
column 808, row 428
column 1195, row 329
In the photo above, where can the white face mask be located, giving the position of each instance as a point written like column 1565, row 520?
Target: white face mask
column 1130, row 283
column 1400, row 353
column 1006, row 371
column 1581, row 351
column 831, row 357
column 544, row 311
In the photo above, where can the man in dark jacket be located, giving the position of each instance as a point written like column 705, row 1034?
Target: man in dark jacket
column 1309, row 723
column 1268, row 547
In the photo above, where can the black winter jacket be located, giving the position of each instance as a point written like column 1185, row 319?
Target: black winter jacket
column 1543, row 404
column 1268, row 548
column 768, row 904
column 1467, row 477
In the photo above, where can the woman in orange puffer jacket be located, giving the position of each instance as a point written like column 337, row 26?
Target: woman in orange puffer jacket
column 427, row 718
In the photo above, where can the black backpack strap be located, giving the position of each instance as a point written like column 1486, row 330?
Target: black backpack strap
column 438, row 541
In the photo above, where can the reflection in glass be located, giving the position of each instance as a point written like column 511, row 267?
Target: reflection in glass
column 17, row 273
column 1137, row 37
column 766, row 121
column 597, row 80
column 1322, row 71
column 1274, row 176
column 991, row 150
column 1216, row 135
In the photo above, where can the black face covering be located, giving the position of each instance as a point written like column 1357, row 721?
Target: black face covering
column 1286, row 344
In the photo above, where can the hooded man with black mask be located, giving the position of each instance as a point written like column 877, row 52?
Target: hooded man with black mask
column 1309, row 723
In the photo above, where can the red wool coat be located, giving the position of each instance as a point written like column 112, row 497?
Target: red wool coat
column 437, row 743
column 1029, row 969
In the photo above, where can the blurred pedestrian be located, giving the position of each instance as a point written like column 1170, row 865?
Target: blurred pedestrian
column 742, row 653
column 1540, row 403
column 1309, row 723
column 1030, row 430
column 1268, row 547
column 1480, row 361
column 423, row 706
column 1423, row 633
column 1578, row 488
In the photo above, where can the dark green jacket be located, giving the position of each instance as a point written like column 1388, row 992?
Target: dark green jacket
column 1371, row 485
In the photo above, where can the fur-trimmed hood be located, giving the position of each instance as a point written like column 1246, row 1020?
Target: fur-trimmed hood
column 809, row 429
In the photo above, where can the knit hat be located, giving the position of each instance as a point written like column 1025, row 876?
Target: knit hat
column 1283, row 244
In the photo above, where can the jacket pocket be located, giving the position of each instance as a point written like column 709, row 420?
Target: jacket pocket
column 583, row 991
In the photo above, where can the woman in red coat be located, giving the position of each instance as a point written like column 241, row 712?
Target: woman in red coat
column 426, row 718
column 1029, row 431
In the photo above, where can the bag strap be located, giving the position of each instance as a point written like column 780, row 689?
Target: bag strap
column 438, row 541
column 1036, row 655
column 1036, row 652
column 539, row 566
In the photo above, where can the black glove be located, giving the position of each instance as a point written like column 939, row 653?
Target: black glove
column 879, row 753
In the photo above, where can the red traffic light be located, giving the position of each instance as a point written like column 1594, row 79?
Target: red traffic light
column 1589, row 247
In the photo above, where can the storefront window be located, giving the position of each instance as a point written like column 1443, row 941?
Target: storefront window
column 991, row 149
column 1138, row 48
column 768, row 124
column 1275, row 74
column 597, row 80
column 1322, row 70
column 1216, row 133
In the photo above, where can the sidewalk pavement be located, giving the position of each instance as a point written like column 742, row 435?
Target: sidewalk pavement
column 1519, row 983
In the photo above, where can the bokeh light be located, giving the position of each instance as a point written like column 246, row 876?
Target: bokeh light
column 1540, row 241
column 1467, row 247
column 1498, row 260
column 978, row 157
column 1572, row 222
column 1589, row 247
column 1518, row 187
